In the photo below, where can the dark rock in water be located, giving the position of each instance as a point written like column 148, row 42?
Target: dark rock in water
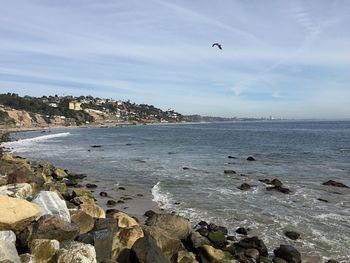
column 231, row 157
column 250, row 158
column 242, row 231
column 146, row 250
column 53, row 227
column 91, row 186
column 121, row 188
column 149, row 213
column 103, row 194
column 336, row 184
column 217, row 237
column 96, row 146
column 76, row 176
column 203, row 231
column 288, row 253
column 276, row 182
column 292, row 235
column 126, row 198
column 322, row 200
column 332, row 261
column 254, row 242
column 120, row 202
column 176, row 203
column 202, row 223
column 231, row 238
column 212, row 227
column 244, row 187
column 281, row 189
column 229, row 172
column 139, row 195
column 266, row 181
column 185, row 168
column 111, row 202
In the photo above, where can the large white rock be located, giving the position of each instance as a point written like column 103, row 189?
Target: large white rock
column 8, row 236
column 72, row 252
column 51, row 204
column 17, row 190
column 8, row 252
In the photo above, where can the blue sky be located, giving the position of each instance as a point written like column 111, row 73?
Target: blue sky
column 286, row 59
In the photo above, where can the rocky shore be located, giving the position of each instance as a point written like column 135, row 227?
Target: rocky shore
column 49, row 215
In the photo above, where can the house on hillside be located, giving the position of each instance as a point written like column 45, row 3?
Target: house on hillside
column 74, row 105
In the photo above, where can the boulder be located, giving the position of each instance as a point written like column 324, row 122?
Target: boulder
column 89, row 206
column 8, row 252
column 242, row 231
column 91, row 186
column 27, row 258
column 123, row 240
column 217, row 237
column 72, row 251
column 111, row 203
column 103, row 194
column 196, row 240
column 276, row 182
column 170, row 246
column 292, row 235
column 83, row 220
column 184, row 256
column 16, row 214
column 22, row 191
column 24, row 176
column 53, row 227
column 203, row 231
column 332, row 261
column 336, row 184
column 59, row 187
column 145, row 250
column 244, row 187
column 59, row 173
column 265, row 181
column 123, row 220
column 252, row 253
column 278, row 260
column 250, row 158
column 51, row 204
column 149, row 213
column 8, row 236
column 231, row 157
column 44, row 250
column 208, row 254
column 280, row 189
column 78, row 192
column 254, row 242
column 288, row 253
column 176, row 226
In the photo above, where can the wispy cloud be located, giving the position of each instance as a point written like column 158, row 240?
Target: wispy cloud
column 275, row 55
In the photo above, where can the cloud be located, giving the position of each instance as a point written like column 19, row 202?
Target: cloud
column 275, row 55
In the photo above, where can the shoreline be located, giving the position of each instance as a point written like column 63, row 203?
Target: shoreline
column 123, row 193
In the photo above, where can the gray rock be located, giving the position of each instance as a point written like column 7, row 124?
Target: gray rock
column 51, row 204
column 145, row 250
column 8, row 252
column 8, row 236
column 288, row 253
column 72, row 251
column 197, row 240
column 22, row 191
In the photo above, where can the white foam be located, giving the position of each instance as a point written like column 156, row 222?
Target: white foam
column 15, row 145
column 163, row 199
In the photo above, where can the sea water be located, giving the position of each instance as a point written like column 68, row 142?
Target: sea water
column 302, row 155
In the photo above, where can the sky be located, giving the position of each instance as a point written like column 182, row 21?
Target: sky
column 280, row 58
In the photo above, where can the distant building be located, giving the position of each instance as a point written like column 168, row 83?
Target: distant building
column 74, row 105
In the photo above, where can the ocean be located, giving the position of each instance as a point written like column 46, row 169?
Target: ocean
column 302, row 154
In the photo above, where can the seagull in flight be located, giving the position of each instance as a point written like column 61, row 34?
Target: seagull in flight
column 218, row 45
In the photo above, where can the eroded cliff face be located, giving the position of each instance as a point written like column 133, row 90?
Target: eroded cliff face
column 20, row 118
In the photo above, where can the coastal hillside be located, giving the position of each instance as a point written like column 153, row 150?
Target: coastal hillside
column 26, row 112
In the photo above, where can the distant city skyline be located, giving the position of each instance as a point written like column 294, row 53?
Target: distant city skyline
column 286, row 59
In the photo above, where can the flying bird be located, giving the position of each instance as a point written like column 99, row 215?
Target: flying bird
column 218, row 45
